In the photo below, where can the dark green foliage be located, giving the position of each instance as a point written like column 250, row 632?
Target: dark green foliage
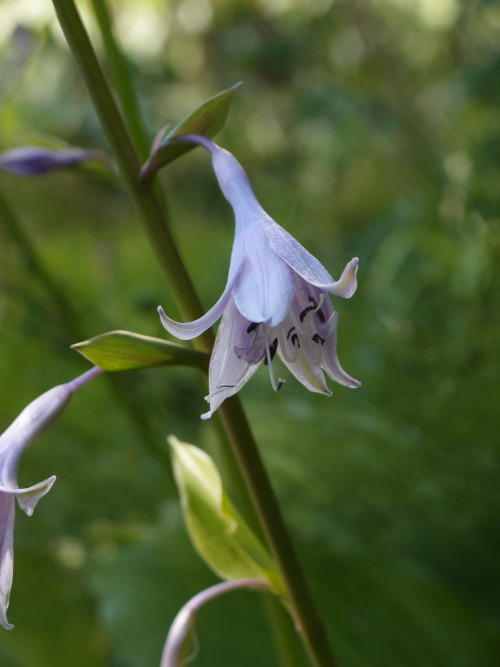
column 367, row 129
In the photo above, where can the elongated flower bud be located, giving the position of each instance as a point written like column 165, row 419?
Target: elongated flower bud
column 34, row 160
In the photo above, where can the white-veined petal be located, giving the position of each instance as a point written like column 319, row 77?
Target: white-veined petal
column 264, row 287
column 228, row 372
column 306, row 265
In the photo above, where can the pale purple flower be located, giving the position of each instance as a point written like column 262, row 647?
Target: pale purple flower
column 33, row 160
column 32, row 421
column 276, row 299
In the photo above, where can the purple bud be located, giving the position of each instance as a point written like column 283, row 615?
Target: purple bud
column 30, row 160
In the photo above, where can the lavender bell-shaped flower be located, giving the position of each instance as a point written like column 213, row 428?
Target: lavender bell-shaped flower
column 275, row 301
column 33, row 420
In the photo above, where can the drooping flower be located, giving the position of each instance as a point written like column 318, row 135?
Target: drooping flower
column 34, row 160
column 276, row 299
column 32, row 421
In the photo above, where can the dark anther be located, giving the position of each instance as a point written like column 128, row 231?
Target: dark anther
column 252, row 326
column 280, row 384
column 305, row 311
column 317, row 339
column 294, row 338
column 321, row 316
column 272, row 351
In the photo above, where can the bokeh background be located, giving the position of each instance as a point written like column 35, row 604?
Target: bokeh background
column 368, row 129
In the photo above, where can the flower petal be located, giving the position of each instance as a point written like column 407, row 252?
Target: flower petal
column 310, row 376
column 31, row 422
column 28, row 498
column 7, row 510
column 233, row 182
column 188, row 330
column 264, row 287
column 306, row 265
column 332, row 367
column 347, row 283
column 228, row 372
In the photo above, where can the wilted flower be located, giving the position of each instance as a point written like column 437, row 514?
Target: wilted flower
column 32, row 160
column 32, row 421
column 275, row 301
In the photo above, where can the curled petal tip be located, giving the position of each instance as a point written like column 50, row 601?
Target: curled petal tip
column 28, row 498
column 347, row 284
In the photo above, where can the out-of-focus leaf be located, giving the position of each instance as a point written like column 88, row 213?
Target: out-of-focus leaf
column 206, row 120
column 53, row 616
column 389, row 612
column 124, row 350
column 217, row 530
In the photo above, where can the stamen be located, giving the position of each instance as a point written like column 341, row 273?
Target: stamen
column 317, row 339
column 314, row 353
column 315, row 308
column 218, row 390
column 252, row 326
column 272, row 352
column 306, row 310
column 288, row 352
column 294, row 338
column 318, row 310
column 268, row 360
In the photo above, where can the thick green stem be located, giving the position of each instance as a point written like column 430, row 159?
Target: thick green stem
column 122, row 81
column 310, row 625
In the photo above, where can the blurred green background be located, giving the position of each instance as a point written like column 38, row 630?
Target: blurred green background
column 368, row 129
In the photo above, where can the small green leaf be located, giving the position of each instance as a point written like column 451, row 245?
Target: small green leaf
column 218, row 532
column 124, row 350
column 206, row 120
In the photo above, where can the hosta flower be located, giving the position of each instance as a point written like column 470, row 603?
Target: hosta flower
column 276, row 300
column 32, row 421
